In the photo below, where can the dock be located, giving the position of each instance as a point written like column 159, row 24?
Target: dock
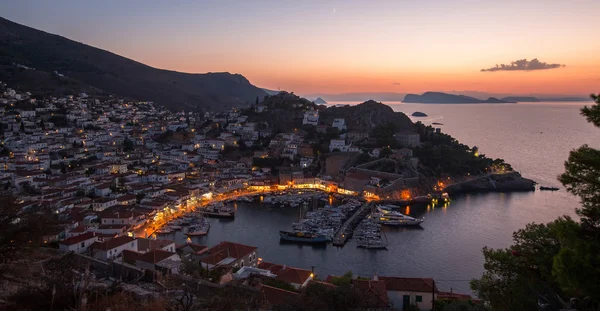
column 345, row 232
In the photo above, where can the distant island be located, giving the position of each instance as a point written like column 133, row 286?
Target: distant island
column 521, row 99
column 444, row 98
column 419, row 114
column 320, row 101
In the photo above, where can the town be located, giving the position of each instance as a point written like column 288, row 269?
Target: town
column 116, row 174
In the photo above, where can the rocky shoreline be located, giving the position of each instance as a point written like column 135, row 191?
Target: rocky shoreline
column 507, row 182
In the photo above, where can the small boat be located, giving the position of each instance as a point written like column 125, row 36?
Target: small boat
column 372, row 244
column 548, row 188
column 302, row 237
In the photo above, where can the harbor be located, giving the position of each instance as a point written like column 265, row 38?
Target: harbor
column 346, row 230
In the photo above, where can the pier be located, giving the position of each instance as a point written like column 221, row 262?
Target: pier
column 345, row 232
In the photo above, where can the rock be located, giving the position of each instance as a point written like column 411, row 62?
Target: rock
column 508, row 182
column 419, row 114
column 320, row 101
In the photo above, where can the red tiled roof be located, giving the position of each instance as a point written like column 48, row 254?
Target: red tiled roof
column 126, row 197
column 78, row 229
column 373, row 294
column 112, row 243
column 422, row 285
column 287, row 274
column 130, row 256
column 79, row 238
column 155, row 256
column 227, row 249
column 149, row 244
column 197, row 248
column 112, row 226
column 277, row 296
column 326, row 284
column 453, row 296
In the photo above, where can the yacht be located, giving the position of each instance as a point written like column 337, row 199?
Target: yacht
column 392, row 218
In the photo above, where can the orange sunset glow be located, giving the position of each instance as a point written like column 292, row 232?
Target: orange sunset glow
column 348, row 46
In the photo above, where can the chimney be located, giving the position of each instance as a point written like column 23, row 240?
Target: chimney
column 284, row 267
column 375, row 277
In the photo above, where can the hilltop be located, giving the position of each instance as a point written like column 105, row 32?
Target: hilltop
column 365, row 116
column 444, row 98
column 285, row 112
column 48, row 64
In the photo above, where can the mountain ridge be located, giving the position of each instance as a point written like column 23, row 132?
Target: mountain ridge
column 57, row 61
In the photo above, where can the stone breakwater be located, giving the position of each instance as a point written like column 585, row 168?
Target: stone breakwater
column 507, row 182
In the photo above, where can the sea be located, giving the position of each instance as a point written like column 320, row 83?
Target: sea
column 535, row 138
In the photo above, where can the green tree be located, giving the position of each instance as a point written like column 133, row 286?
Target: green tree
column 577, row 267
column 128, row 145
column 384, row 134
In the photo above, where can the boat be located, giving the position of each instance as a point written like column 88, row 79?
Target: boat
column 371, row 243
column 218, row 211
column 548, row 188
column 200, row 228
column 302, row 237
column 391, row 218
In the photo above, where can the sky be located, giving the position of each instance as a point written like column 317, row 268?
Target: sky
column 326, row 46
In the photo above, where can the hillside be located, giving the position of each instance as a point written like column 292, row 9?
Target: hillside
column 444, row 98
column 44, row 63
column 365, row 116
column 286, row 111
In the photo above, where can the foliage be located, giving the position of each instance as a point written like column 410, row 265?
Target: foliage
column 317, row 297
column 384, row 134
column 445, row 156
column 449, row 305
column 59, row 120
column 577, row 267
column 21, row 230
column 280, row 284
column 345, row 279
column 385, row 152
column 128, row 145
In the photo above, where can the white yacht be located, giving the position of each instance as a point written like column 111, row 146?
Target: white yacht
column 393, row 218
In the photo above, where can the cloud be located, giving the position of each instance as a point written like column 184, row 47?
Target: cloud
column 524, row 65
column 396, row 83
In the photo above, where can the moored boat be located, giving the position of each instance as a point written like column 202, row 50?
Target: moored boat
column 302, row 237
column 548, row 188
column 392, row 218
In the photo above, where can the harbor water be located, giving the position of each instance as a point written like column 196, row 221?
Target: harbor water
column 535, row 138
